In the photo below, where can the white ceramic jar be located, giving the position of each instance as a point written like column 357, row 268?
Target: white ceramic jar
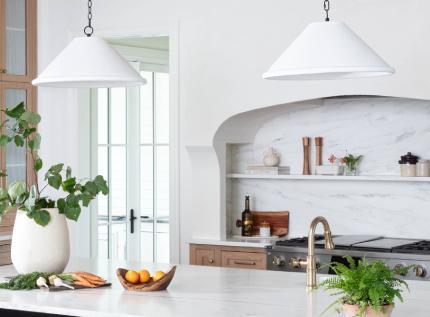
column 42, row 249
column 271, row 158
column 423, row 168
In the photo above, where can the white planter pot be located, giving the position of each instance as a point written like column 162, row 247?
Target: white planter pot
column 37, row 248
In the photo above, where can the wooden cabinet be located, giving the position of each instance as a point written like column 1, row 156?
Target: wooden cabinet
column 18, row 67
column 225, row 256
column 5, row 252
column 18, row 38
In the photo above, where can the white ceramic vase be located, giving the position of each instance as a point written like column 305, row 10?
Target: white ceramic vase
column 37, row 248
column 271, row 158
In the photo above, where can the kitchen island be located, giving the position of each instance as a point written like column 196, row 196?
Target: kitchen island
column 195, row 291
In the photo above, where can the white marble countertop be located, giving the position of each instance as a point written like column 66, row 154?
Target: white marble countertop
column 195, row 291
column 236, row 241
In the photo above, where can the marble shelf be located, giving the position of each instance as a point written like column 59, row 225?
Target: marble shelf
column 368, row 178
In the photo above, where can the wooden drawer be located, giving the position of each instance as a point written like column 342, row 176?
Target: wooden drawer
column 245, row 260
column 5, row 253
column 204, row 255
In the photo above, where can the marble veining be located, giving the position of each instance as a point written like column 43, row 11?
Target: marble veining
column 381, row 129
column 195, row 291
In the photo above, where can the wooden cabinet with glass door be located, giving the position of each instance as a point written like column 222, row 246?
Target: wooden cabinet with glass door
column 14, row 159
column 18, row 67
column 18, row 38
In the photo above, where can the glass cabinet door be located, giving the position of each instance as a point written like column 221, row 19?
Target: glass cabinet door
column 18, row 40
column 13, row 158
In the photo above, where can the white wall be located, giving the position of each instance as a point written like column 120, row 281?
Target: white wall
column 225, row 46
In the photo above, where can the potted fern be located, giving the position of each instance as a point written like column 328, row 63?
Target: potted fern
column 40, row 240
column 367, row 289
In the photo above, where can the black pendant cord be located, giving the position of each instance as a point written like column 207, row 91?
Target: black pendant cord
column 89, row 30
column 326, row 9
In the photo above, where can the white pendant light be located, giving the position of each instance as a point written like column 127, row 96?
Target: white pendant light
column 328, row 50
column 89, row 62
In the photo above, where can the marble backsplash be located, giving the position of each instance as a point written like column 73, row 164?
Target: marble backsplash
column 382, row 129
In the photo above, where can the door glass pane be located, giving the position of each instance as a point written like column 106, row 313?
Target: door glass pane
column 102, row 113
column 102, row 241
column 118, row 182
column 147, row 241
column 15, row 48
column 162, row 107
column 118, row 116
column 162, row 242
column 146, row 181
column 119, row 241
column 162, row 181
column 146, row 109
column 102, row 165
column 15, row 156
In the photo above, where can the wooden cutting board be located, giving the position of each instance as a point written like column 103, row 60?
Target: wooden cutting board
column 278, row 220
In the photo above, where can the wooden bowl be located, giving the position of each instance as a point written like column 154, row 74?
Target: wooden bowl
column 150, row 286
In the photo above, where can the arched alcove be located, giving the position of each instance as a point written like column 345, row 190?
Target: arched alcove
column 380, row 128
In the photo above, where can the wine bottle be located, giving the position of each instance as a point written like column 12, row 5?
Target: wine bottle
column 247, row 221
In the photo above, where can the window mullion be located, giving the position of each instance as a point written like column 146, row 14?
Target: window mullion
column 109, row 165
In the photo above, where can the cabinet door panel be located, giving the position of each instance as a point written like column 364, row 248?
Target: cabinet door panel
column 15, row 37
column 204, row 255
column 15, row 156
column 18, row 40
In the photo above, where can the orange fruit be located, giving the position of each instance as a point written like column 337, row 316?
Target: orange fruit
column 132, row 277
column 144, row 276
column 158, row 275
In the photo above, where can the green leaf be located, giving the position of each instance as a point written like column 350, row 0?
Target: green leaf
column 31, row 117
column 3, row 173
column 42, row 217
column 19, row 140
column 16, row 189
column 91, row 188
column 3, row 194
column 72, row 200
column 38, row 164
column 27, row 132
column 69, row 184
column 101, row 184
column 4, row 140
column 68, row 172
column 86, row 199
column 16, row 112
column 55, row 169
column 72, row 212
column 34, row 143
column 55, row 181
column 61, row 205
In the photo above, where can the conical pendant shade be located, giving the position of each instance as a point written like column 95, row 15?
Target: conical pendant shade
column 328, row 50
column 89, row 62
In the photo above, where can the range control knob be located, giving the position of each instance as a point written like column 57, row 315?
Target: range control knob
column 420, row 271
column 398, row 268
column 278, row 261
column 296, row 263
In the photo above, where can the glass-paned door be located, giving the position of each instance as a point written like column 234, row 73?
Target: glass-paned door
column 132, row 149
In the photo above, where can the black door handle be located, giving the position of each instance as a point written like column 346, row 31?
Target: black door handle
column 132, row 219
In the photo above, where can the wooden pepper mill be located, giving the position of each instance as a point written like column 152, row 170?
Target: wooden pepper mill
column 318, row 150
column 306, row 145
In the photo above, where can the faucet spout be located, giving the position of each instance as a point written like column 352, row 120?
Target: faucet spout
column 311, row 268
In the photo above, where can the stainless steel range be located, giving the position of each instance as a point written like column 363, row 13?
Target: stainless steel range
column 287, row 255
